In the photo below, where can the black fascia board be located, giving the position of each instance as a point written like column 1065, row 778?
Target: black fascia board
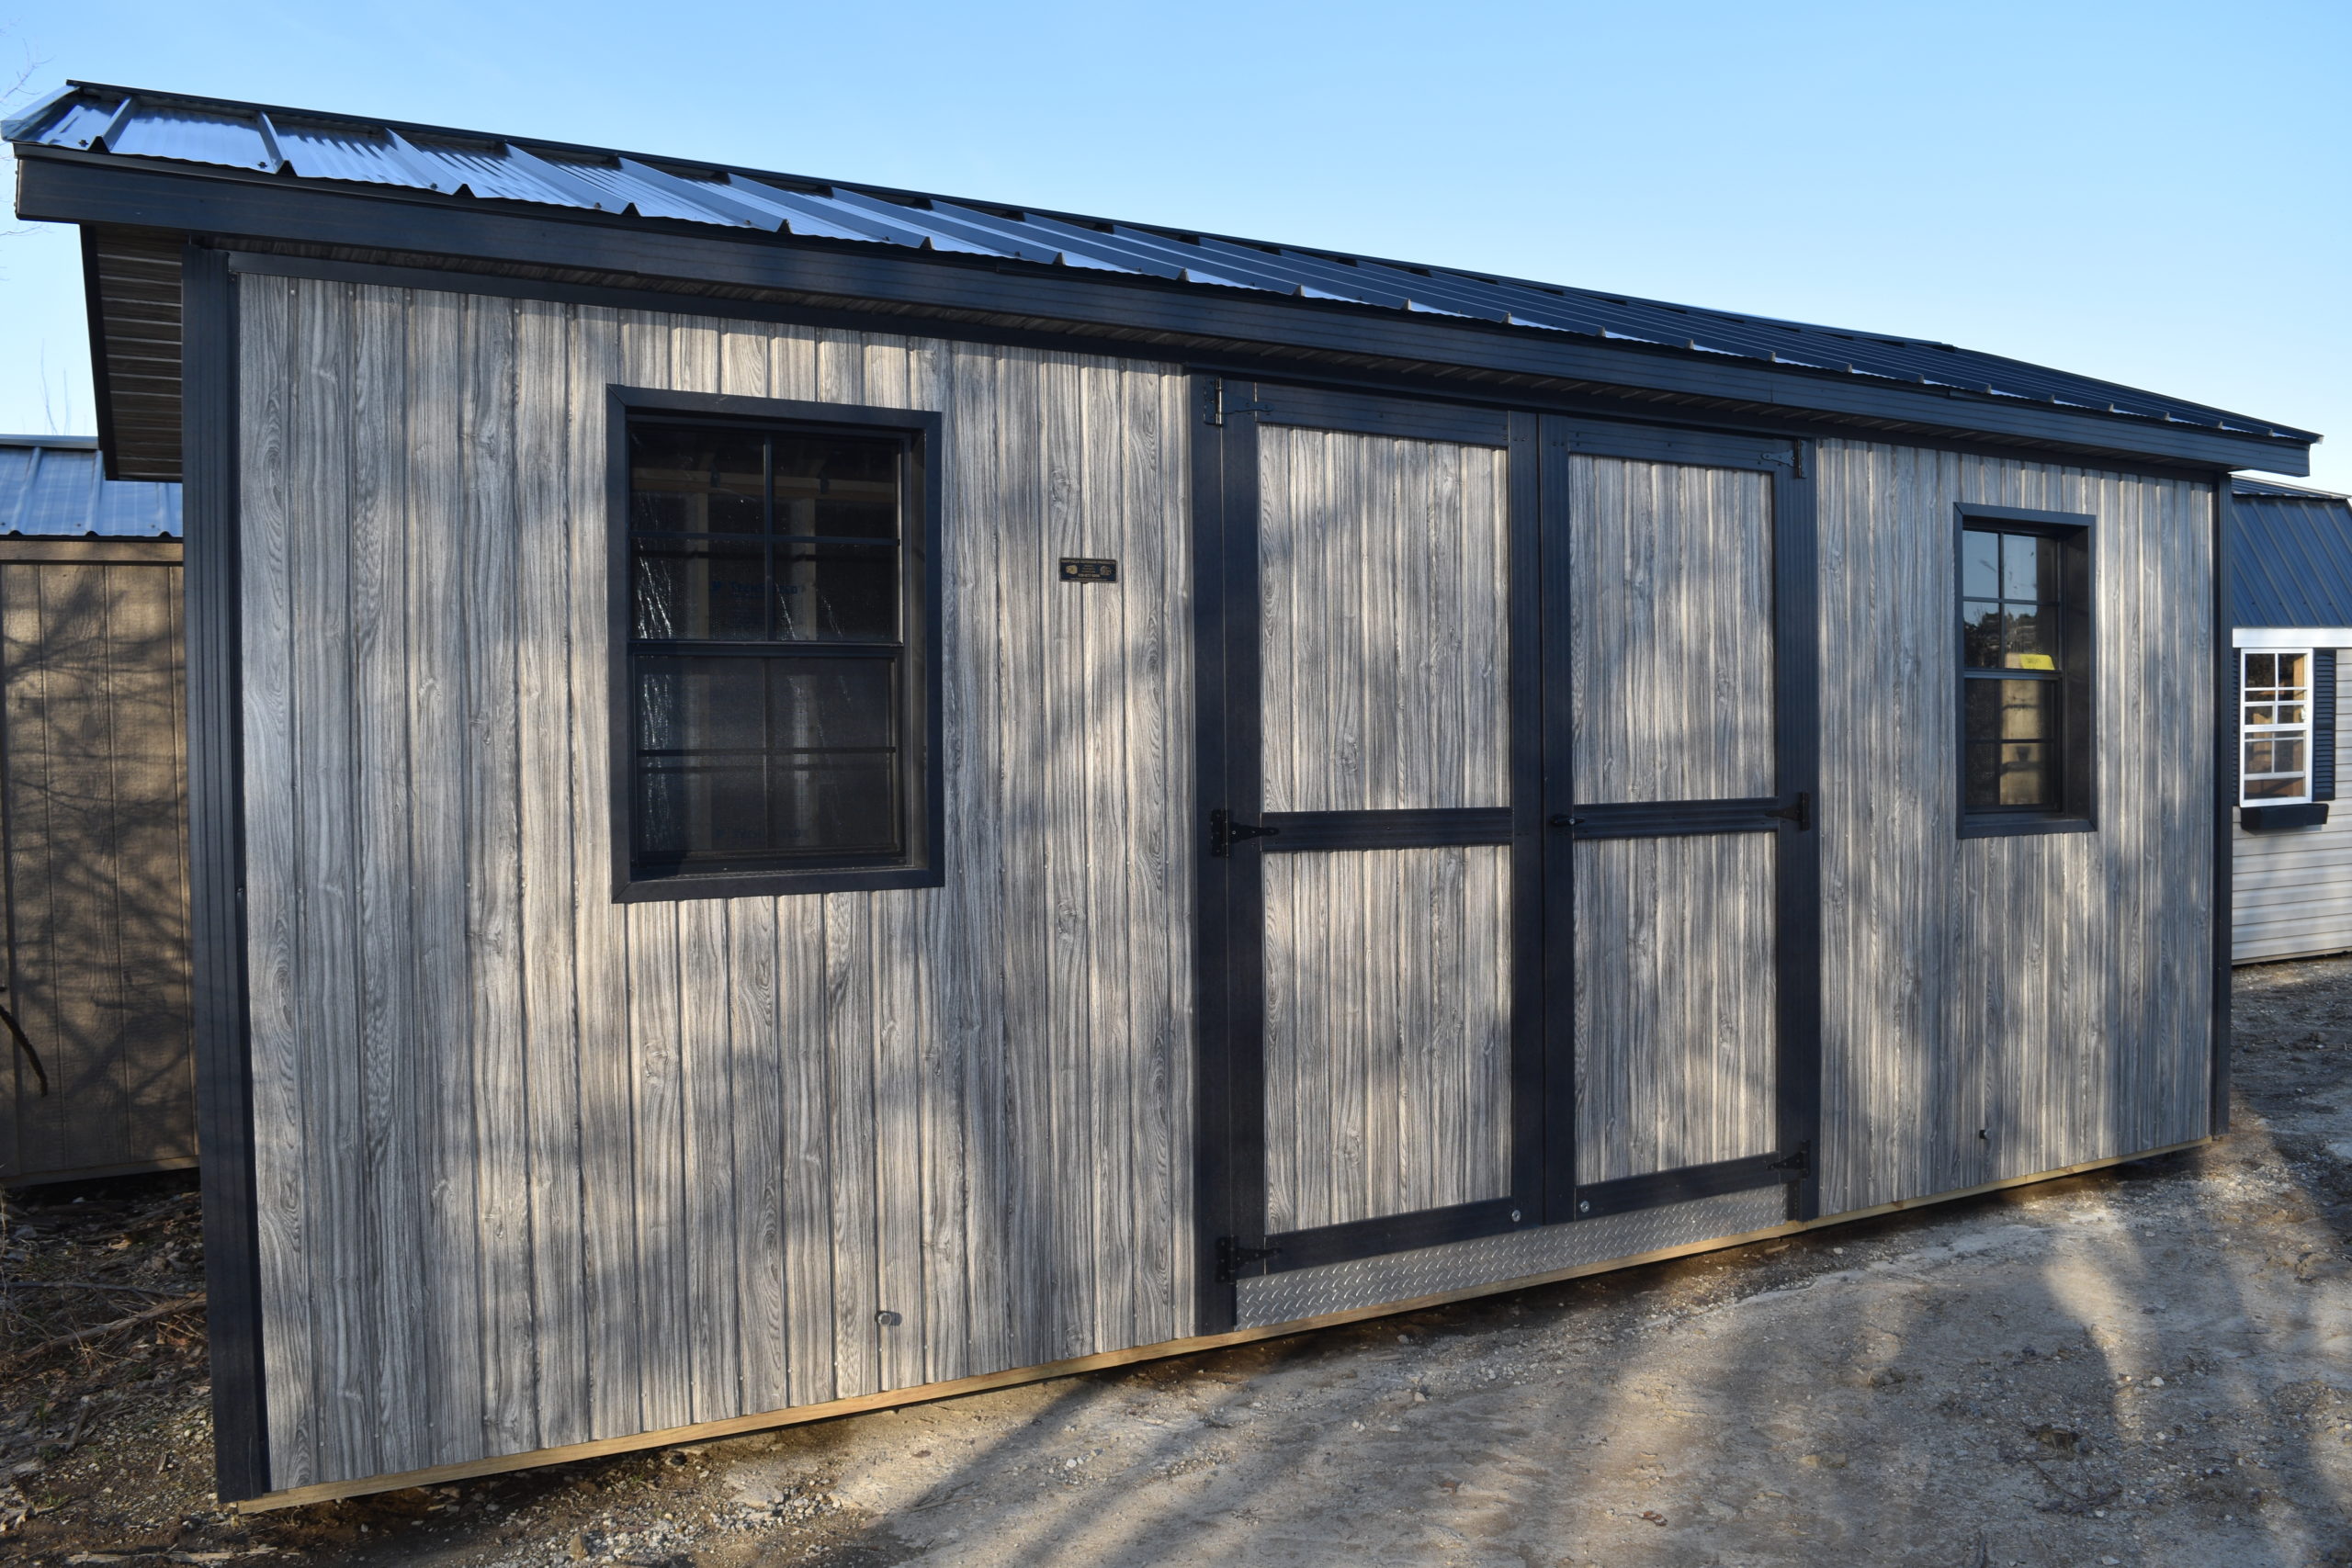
column 65, row 186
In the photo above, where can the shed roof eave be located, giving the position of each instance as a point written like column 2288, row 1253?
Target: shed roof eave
column 66, row 187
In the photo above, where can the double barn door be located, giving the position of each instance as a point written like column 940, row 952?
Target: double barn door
column 1507, row 917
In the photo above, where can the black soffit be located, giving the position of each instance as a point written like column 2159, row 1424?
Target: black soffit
column 340, row 152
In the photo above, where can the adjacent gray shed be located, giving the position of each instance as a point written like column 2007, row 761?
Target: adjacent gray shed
column 93, row 817
column 2290, row 590
column 807, row 796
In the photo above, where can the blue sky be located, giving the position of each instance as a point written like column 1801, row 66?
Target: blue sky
column 2153, row 193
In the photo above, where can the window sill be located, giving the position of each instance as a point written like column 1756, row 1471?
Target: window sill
column 2023, row 826
column 776, row 884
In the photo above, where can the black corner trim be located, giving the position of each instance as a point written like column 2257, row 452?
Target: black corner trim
column 216, row 879
column 2225, row 755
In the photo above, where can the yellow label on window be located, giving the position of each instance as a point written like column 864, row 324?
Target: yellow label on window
column 2032, row 661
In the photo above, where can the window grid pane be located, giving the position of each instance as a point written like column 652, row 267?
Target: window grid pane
column 761, row 756
column 2013, row 655
column 2274, row 760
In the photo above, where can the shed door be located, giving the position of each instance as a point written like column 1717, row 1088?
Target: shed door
column 1496, row 772
column 1682, row 950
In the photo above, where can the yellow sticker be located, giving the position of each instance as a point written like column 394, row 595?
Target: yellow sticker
column 2032, row 661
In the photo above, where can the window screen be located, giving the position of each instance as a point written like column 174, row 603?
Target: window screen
column 770, row 697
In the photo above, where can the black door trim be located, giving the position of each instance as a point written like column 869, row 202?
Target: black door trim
column 1232, row 1164
column 1296, row 831
column 1788, row 815
column 1539, row 825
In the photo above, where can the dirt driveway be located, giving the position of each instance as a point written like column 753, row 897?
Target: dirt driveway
column 2147, row 1366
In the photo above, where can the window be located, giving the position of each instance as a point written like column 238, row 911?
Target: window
column 2025, row 637
column 2275, row 733
column 777, row 714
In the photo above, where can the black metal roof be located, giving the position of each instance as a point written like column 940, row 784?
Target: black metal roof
column 342, row 151
column 2290, row 557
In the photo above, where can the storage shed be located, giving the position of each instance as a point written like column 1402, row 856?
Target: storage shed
column 2291, row 593
column 808, row 796
column 93, row 819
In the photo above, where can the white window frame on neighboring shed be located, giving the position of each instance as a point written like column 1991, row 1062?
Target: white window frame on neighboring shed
column 2307, row 641
column 2268, row 700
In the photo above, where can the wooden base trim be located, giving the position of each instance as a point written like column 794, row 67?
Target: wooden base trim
column 88, row 550
column 923, row 1393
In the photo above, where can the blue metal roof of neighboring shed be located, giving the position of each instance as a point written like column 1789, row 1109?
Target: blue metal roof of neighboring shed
column 340, row 150
column 51, row 487
column 2290, row 559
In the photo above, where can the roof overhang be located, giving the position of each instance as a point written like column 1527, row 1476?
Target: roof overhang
column 142, row 209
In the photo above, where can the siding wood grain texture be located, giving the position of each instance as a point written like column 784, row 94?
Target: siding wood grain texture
column 2291, row 892
column 1384, row 675
column 538, row 1169
column 2053, row 992
column 1670, row 651
column 1384, row 629
column 535, row 1168
column 95, row 796
column 1671, row 631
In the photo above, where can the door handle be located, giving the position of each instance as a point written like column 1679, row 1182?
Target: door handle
column 1561, row 820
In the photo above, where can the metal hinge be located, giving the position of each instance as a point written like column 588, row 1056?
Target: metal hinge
column 1798, row 1165
column 1232, row 1257
column 1798, row 810
column 1225, row 832
column 1214, row 407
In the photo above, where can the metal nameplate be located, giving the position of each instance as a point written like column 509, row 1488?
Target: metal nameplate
column 1076, row 570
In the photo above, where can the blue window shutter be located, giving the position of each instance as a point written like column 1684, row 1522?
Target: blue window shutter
column 2324, row 724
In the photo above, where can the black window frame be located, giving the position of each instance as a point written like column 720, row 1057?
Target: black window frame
column 2077, row 810
column 922, row 863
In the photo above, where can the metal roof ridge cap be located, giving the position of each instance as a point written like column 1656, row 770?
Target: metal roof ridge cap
column 556, row 178
column 269, row 142
column 715, row 195
column 419, row 163
column 104, row 140
column 19, row 126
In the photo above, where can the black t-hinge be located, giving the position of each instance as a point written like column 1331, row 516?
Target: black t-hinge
column 1799, row 1165
column 1232, row 1257
column 1799, row 810
column 1225, row 832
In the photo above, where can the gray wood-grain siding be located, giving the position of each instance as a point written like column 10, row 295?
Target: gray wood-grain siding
column 1674, row 1002
column 1387, row 1033
column 95, row 794
column 1671, row 639
column 1386, row 629
column 2291, row 891
column 538, row 1169
column 1670, row 647
column 2053, row 992
column 1383, row 679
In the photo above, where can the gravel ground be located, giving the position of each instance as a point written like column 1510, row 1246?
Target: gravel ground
column 2150, row 1366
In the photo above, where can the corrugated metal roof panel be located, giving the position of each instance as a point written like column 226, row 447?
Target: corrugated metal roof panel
column 51, row 487
column 2291, row 557
column 302, row 144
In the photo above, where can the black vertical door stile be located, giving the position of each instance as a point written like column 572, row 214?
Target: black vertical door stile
column 1539, row 826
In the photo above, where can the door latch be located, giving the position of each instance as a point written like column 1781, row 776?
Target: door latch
column 1799, row 810
column 1225, row 832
